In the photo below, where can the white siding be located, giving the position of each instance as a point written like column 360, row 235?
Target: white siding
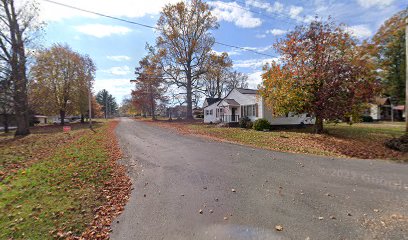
column 375, row 112
column 291, row 119
column 212, row 117
column 243, row 100
column 263, row 110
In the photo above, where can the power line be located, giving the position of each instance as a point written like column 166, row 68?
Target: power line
column 147, row 26
column 99, row 14
column 244, row 48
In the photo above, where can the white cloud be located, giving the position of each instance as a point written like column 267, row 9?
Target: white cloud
column 118, row 87
column 118, row 71
column 116, row 8
column 101, row 30
column 253, row 63
column 276, row 32
column 119, row 58
column 375, row 3
column 275, row 7
column 260, row 35
column 360, row 31
column 232, row 12
column 254, row 79
column 259, row 49
column 294, row 11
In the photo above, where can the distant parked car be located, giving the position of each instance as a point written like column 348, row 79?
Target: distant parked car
column 58, row 121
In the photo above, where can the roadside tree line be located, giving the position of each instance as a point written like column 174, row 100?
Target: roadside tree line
column 322, row 69
column 52, row 81
column 182, row 67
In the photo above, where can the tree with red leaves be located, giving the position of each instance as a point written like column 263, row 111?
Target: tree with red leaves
column 150, row 85
column 321, row 71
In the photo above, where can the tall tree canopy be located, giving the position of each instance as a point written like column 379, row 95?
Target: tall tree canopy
column 61, row 80
column 17, row 26
column 150, row 85
column 216, row 76
column 107, row 102
column 321, row 72
column 388, row 48
column 185, row 43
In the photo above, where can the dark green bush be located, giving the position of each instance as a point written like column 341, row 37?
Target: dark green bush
column 367, row 119
column 261, row 124
column 243, row 122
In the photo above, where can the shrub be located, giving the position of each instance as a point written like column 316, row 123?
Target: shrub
column 249, row 125
column 399, row 144
column 243, row 122
column 261, row 124
column 367, row 119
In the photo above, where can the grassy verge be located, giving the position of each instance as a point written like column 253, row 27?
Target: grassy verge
column 61, row 192
column 341, row 140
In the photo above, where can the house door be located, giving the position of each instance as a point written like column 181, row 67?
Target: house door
column 233, row 114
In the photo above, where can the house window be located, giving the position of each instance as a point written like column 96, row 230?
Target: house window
column 249, row 110
column 211, row 112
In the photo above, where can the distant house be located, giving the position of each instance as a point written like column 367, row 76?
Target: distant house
column 241, row 102
column 40, row 119
column 198, row 112
column 380, row 110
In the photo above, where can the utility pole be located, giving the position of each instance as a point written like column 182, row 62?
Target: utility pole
column 406, row 76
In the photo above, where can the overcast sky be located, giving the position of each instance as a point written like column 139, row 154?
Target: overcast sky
column 116, row 47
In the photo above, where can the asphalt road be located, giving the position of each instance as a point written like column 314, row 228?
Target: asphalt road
column 174, row 176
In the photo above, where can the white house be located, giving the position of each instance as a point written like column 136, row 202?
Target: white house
column 380, row 110
column 242, row 102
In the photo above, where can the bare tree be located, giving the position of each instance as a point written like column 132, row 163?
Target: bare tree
column 185, row 43
column 150, row 84
column 216, row 76
column 16, row 26
column 235, row 79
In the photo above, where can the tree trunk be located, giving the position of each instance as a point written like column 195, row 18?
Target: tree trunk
column 152, row 105
column 82, row 118
column 189, row 110
column 6, row 123
column 62, row 116
column 319, row 125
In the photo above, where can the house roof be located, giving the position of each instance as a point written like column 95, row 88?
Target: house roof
column 216, row 102
column 247, row 91
column 400, row 107
column 231, row 102
column 381, row 101
column 210, row 101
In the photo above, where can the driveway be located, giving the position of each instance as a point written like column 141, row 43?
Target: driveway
column 247, row 193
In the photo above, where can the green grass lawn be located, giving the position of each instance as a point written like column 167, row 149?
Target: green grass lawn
column 361, row 140
column 58, row 189
column 365, row 131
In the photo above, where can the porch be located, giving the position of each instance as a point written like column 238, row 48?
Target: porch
column 229, row 111
column 230, row 118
